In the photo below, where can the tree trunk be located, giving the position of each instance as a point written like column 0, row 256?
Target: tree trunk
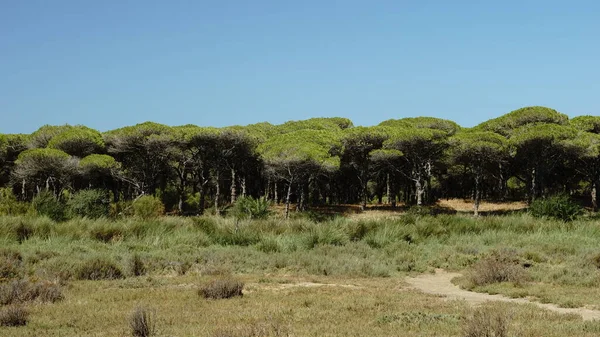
column 287, row 201
column 302, row 206
column 389, row 190
column 594, row 196
column 477, row 197
column 217, row 193
column 233, row 189
column 363, row 204
column 243, row 183
column 276, row 195
column 533, row 186
column 202, row 197
column 419, row 191
column 181, row 195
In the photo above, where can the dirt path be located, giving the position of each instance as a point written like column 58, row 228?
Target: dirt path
column 440, row 284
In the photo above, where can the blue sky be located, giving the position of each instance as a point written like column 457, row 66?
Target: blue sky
column 108, row 64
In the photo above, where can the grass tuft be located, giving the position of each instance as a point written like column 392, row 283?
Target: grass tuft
column 488, row 321
column 14, row 315
column 221, row 288
column 142, row 322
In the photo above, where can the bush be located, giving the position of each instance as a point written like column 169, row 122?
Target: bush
column 92, row 204
column 250, row 208
column 487, row 322
column 99, row 269
column 142, row 322
column 14, row 315
column 11, row 263
column 9, row 205
column 221, row 288
column 20, row 291
column 46, row 204
column 148, row 207
column 559, row 207
column 499, row 266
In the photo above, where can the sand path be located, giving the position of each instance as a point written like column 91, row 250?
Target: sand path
column 440, row 284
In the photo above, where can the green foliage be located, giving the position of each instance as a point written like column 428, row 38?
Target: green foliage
column 302, row 147
column 46, row 204
column 79, row 141
column 9, row 205
column 507, row 124
column 328, row 124
column 148, row 207
column 42, row 136
column 443, row 125
column 98, row 162
column 89, row 203
column 560, row 207
column 250, row 208
column 586, row 123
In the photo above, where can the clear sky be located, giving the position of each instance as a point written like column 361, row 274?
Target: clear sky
column 108, row 64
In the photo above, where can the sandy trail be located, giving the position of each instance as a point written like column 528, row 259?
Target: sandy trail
column 440, row 284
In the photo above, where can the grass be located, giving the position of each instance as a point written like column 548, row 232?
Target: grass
column 110, row 266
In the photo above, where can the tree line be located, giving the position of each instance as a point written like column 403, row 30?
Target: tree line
column 526, row 154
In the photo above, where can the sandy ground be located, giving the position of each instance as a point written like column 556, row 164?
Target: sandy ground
column 440, row 284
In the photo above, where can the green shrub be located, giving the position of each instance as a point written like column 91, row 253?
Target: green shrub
column 148, row 207
column 559, row 207
column 46, row 204
column 221, row 288
column 9, row 205
column 89, row 203
column 250, row 208
column 99, row 269
column 13, row 315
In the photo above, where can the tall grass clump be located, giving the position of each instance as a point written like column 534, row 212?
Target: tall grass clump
column 250, row 208
column 91, row 204
column 559, row 207
column 142, row 322
column 221, row 288
column 148, row 207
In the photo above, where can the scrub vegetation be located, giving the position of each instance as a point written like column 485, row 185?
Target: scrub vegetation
column 308, row 228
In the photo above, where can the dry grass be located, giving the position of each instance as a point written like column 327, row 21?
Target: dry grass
column 20, row 291
column 499, row 266
column 376, row 307
column 142, row 322
column 462, row 205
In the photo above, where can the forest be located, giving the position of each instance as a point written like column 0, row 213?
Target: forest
column 529, row 153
